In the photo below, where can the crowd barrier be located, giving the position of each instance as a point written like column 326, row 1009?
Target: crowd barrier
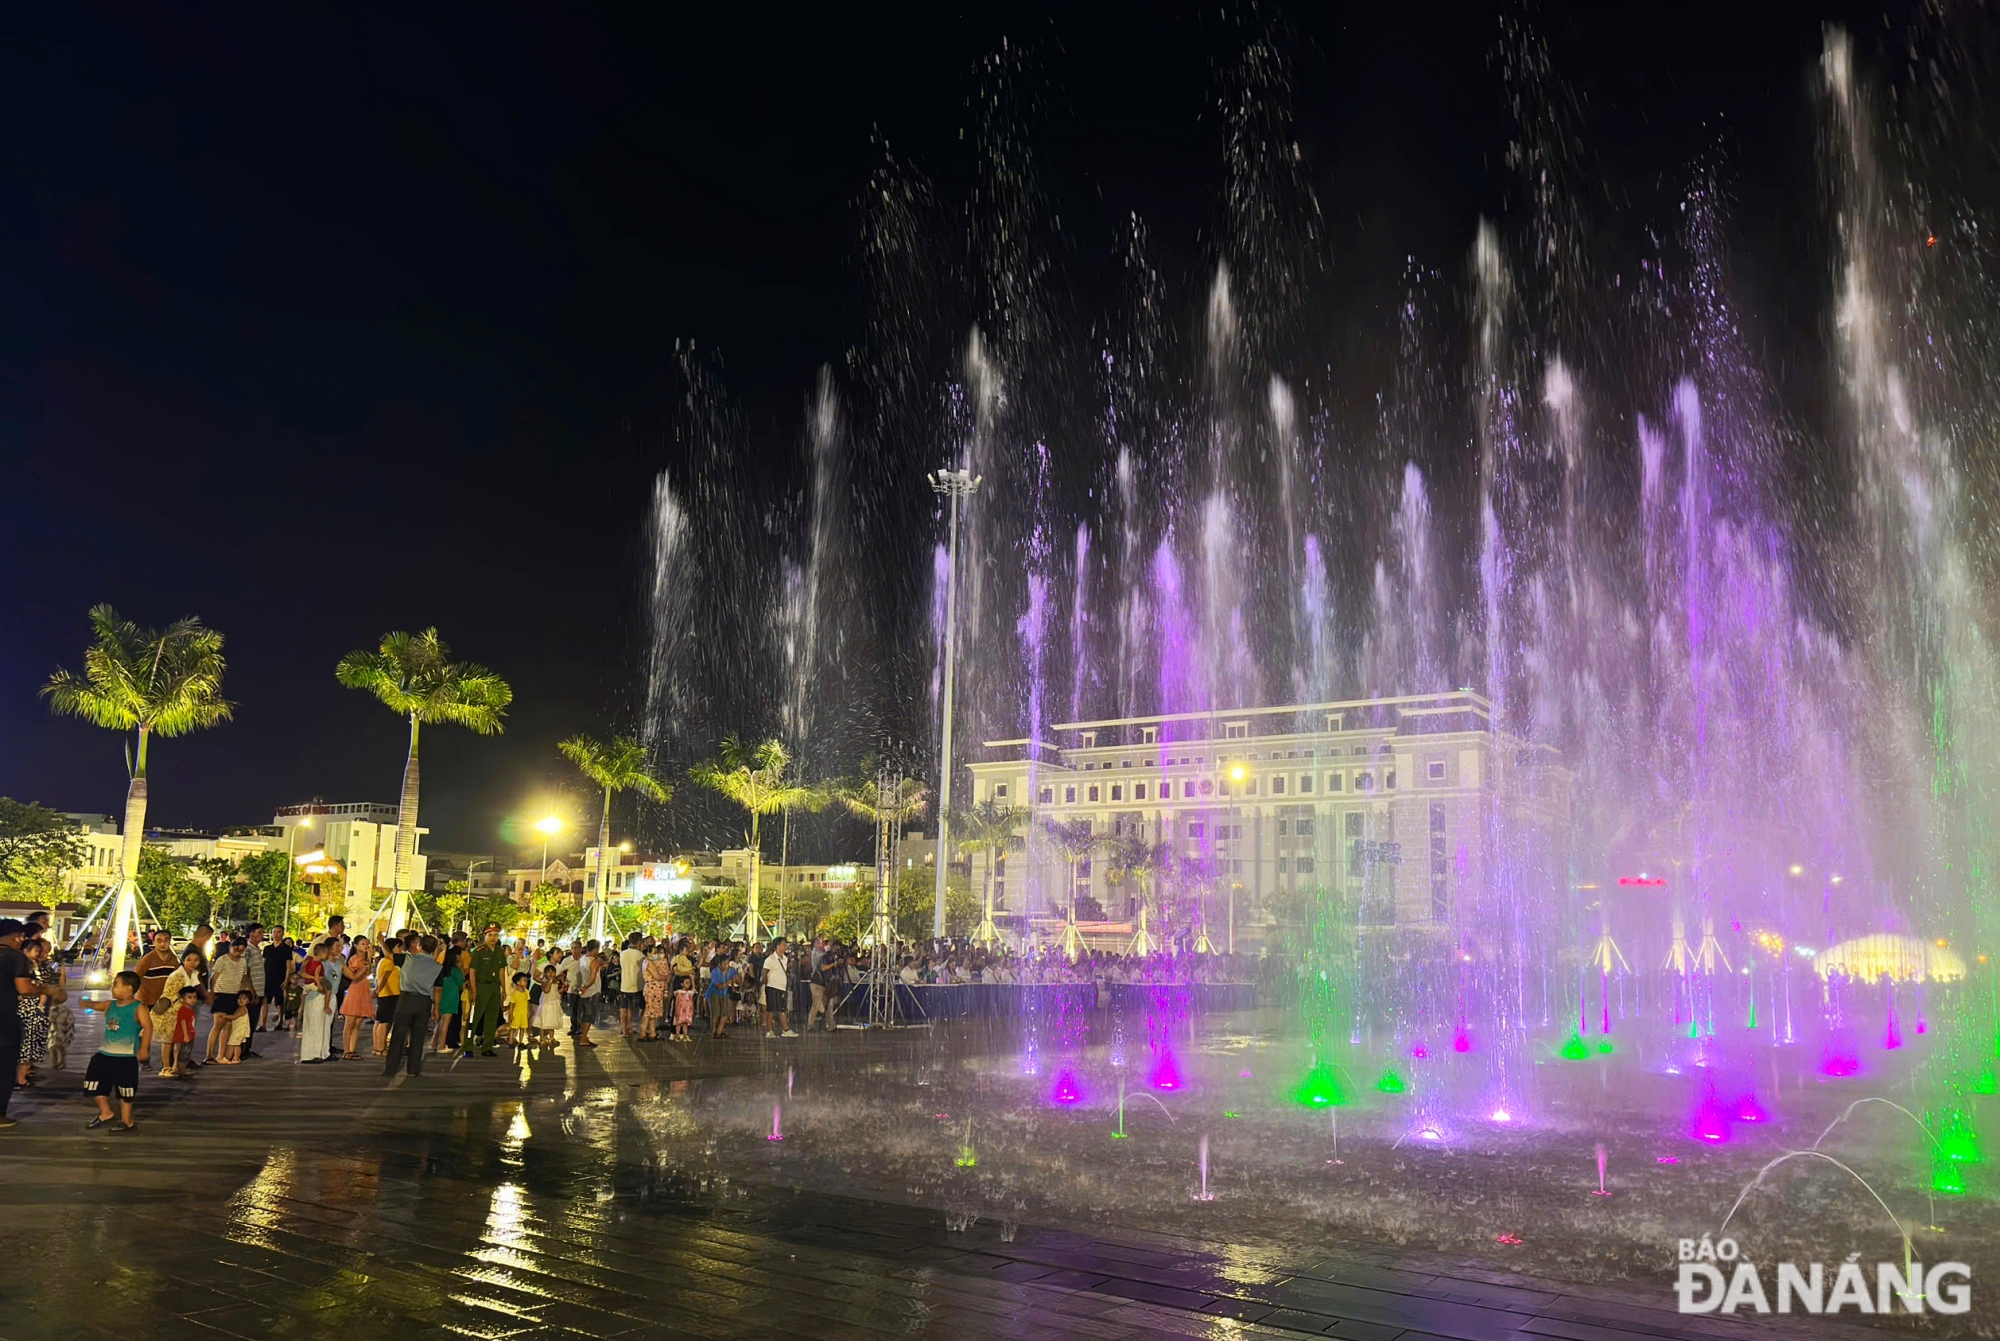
column 960, row 1001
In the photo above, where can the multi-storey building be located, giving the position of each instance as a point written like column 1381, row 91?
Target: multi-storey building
column 1404, row 808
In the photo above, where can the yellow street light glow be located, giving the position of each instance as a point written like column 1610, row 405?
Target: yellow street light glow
column 624, row 847
column 548, row 825
column 1237, row 772
column 1836, row 879
column 1798, row 869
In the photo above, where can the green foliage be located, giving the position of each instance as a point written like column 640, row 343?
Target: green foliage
column 756, row 779
column 181, row 900
column 450, row 906
column 261, row 879
column 548, row 903
column 616, row 766
column 414, row 675
column 37, row 845
column 162, row 682
column 915, row 891
column 723, row 909
column 650, row 914
column 865, row 799
column 690, row 916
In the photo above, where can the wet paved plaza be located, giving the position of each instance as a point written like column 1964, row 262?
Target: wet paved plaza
column 489, row 1199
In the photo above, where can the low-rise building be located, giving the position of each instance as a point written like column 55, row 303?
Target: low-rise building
column 361, row 838
column 1399, row 807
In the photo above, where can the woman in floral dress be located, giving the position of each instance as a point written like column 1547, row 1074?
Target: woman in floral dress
column 657, row 979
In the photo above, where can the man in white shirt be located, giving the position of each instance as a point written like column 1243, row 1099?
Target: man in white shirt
column 777, row 992
column 631, row 991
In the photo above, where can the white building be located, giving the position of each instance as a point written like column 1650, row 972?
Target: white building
column 361, row 837
column 1396, row 806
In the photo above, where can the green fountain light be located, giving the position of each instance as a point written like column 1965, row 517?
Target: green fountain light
column 1574, row 1048
column 1390, row 1083
column 1319, row 1088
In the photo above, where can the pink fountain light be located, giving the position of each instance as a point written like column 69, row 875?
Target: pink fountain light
column 1068, row 1090
column 1711, row 1122
column 1166, row 1073
column 1461, row 1041
column 1749, row 1110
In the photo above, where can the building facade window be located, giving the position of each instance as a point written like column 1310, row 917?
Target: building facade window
column 1305, row 784
column 1333, row 781
column 1117, row 791
column 1149, row 735
column 1069, row 796
column 1278, row 785
column 1235, row 730
column 1364, row 782
column 1093, row 793
column 1303, row 826
column 1048, row 795
column 999, row 791
column 1138, row 791
column 1304, row 865
column 1436, row 770
column 1389, row 780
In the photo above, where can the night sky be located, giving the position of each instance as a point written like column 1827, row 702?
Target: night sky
column 319, row 321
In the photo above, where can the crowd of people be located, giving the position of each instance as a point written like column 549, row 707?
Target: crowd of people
column 213, row 1001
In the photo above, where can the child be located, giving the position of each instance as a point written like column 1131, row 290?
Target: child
column 683, row 1009
column 239, row 1032
column 549, row 1011
column 128, row 1036
column 517, row 1014
column 183, row 1034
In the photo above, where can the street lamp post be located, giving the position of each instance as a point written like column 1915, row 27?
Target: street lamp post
column 547, row 827
column 291, row 868
column 955, row 485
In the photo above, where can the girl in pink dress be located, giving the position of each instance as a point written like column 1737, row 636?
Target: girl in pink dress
column 357, row 1008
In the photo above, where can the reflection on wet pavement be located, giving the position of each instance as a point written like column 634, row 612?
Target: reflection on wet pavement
column 600, row 1199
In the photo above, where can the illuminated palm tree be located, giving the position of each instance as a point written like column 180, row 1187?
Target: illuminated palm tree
column 1077, row 840
column 617, row 767
column 413, row 674
column 991, row 827
column 867, row 799
column 157, row 682
column 756, row 778
column 1131, row 860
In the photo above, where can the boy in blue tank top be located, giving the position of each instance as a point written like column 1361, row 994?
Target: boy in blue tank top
column 128, row 1036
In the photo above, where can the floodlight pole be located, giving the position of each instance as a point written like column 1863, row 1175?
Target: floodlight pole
column 955, row 485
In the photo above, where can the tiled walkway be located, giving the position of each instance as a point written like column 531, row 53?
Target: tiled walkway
column 273, row 1201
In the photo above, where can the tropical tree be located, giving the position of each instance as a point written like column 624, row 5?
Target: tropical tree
column 37, row 847
column 414, row 675
column 758, row 779
column 617, row 766
column 902, row 801
column 1132, row 861
column 547, row 904
column 1078, row 840
column 153, row 682
column 991, row 827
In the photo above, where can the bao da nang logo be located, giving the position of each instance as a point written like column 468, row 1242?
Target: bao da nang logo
column 1714, row 1278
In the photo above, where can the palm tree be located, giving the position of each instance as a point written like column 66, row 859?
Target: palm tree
column 755, row 778
column 618, row 766
column 415, row 676
column 1077, row 840
column 991, row 827
column 1131, row 860
column 158, row 682
column 867, row 799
